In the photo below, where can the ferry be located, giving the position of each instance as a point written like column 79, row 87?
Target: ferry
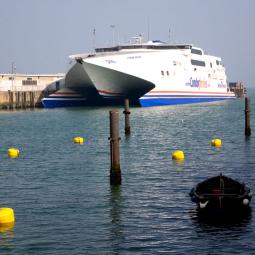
column 149, row 73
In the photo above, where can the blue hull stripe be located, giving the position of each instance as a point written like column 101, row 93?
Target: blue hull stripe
column 54, row 102
column 175, row 101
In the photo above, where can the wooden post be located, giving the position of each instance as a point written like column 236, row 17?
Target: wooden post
column 18, row 100
column 115, row 172
column 10, row 93
column 127, row 113
column 31, row 99
column 247, row 116
column 24, row 99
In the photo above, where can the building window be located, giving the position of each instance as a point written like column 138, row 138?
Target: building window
column 167, row 73
column 162, row 72
column 29, row 81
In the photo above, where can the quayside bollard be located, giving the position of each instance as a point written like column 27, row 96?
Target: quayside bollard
column 247, row 116
column 115, row 172
column 127, row 113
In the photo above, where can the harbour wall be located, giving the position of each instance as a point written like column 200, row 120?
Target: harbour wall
column 20, row 99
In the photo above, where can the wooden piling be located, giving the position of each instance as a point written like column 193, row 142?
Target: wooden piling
column 115, row 172
column 247, row 116
column 23, row 99
column 127, row 113
column 32, row 99
column 17, row 99
column 11, row 106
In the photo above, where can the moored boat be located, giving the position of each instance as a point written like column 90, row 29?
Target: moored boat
column 221, row 194
column 149, row 73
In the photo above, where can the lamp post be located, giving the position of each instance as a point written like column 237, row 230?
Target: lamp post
column 13, row 73
column 113, row 34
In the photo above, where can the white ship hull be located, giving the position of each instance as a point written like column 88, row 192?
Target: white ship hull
column 153, row 74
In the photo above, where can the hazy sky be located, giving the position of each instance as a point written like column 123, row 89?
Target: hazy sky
column 39, row 35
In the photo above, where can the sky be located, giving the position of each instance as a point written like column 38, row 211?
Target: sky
column 39, row 35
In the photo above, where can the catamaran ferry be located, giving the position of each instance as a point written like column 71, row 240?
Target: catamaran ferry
column 149, row 74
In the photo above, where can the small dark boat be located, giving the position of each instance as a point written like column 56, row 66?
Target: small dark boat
column 221, row 193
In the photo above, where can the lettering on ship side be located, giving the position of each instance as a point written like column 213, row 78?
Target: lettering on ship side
column 195, row 83
column 134, row 57
column 110, row 61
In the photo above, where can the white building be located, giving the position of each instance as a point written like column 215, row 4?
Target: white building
column 31, row 82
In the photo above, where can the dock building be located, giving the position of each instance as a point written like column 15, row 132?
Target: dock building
column 27, row 90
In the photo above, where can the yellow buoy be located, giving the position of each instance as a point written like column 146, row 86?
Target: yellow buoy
column 6, row 215
column 78, row 140
column 216, row 142
column 178, row 155
column 13, row 153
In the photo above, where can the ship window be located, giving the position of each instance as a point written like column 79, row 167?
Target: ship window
column 162, row 72
column 195, row 51
column 197, row 62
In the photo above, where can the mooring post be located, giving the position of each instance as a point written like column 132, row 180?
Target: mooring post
column 115, row 172
column 127, row 113
column 247, row 116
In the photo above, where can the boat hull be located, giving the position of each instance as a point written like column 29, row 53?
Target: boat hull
column 221, row 194
column 149, row 100
column 62, row 102
column 64, row 98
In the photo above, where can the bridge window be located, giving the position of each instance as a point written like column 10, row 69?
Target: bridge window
column 197, row 62
column 195, row 51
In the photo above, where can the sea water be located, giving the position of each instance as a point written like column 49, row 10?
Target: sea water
column 63, row 201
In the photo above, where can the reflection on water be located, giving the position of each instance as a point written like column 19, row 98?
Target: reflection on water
column 115, row 213
column 221, row 222
column 179, row 163
column 6, row 236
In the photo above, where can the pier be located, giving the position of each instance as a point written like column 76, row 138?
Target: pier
column 238, row 88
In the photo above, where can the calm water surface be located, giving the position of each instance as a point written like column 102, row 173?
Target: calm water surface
column 64, row 204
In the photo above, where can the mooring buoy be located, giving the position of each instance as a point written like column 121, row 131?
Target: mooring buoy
column 78, row 140
column 178, row 155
